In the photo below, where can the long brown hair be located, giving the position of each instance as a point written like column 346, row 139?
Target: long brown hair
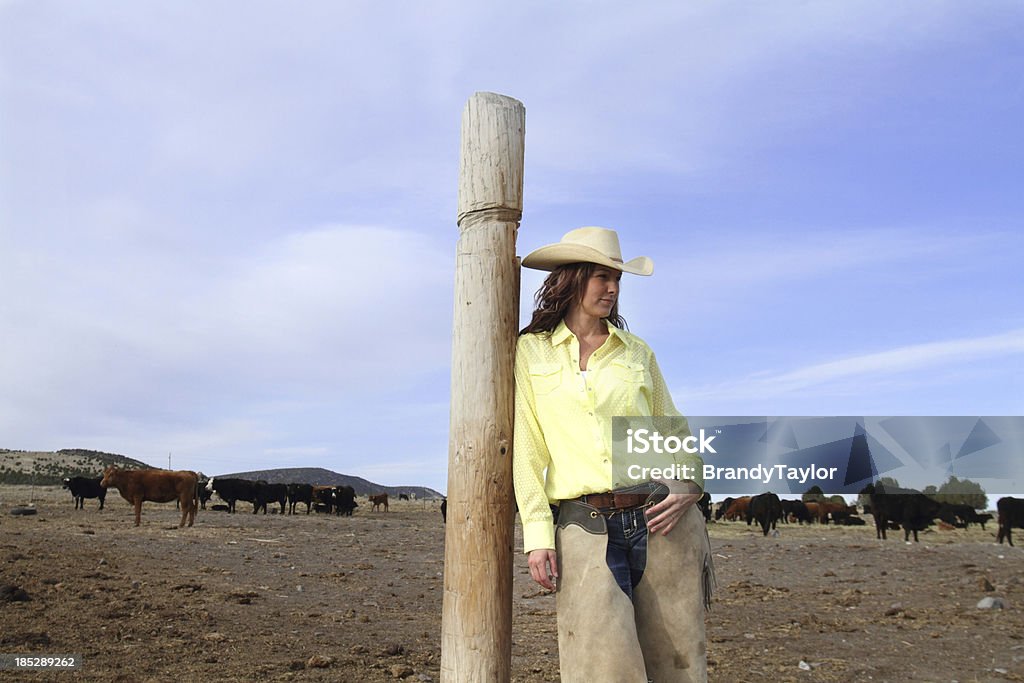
column 564, row 287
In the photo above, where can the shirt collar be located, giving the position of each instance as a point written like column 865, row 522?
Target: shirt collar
column 562, row 332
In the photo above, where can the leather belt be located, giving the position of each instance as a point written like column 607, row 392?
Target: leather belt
column 614, row 501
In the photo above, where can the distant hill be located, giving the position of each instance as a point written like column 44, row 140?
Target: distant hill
column 320, row 476
column 45, row 468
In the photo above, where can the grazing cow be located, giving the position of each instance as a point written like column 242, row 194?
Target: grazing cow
column 723, row 507
column 955, row 515
column 323, row 498
column 345, row 500
column 378, row 500
column 837, row 512
column 233, row 490
column 299, row 493
column 765, row 508
column 966, row 515
column 403, row 496
column 796, row 509
column 813, row 511
column 444, row 510
column 913, row 510
column 270, row 493
column 158, row 486
column 204, row 494
column 738, row 509
column 84, row 487
column 982, row 518
column 1011, row 514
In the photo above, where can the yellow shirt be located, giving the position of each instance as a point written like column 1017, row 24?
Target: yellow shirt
column 563, row 422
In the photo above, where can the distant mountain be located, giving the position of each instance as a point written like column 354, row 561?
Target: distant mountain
column 45, row 468
column 321, row 477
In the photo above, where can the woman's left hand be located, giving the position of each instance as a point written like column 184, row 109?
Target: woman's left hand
column 664, row 515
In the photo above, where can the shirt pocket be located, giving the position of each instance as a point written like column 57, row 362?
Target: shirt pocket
column 630, row 373
column 630, row 390
column 545, row 378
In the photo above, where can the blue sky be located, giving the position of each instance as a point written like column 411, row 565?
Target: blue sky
column 227, row 230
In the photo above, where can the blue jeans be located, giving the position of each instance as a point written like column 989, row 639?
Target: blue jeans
column 627, row 547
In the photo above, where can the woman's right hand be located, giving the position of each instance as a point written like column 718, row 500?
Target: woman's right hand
column 544, row 566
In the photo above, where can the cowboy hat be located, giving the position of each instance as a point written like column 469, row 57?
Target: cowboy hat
column 587, row 245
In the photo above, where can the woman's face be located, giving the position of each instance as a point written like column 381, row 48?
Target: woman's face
column 601, row 292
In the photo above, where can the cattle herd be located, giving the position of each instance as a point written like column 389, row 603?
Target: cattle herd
column 191, row 493
column 892, row 509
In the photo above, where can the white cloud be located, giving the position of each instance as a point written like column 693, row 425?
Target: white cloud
column 861, row 375
column 315, row 314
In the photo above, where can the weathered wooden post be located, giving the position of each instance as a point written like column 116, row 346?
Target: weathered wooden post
column 476, row 624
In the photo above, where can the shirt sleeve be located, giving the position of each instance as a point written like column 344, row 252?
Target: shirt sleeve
column 530, row 459
column 662, row 406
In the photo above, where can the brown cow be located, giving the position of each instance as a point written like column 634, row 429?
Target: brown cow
column 159, row 486
column 378, row 500
column 738, row 509
column 815, row 512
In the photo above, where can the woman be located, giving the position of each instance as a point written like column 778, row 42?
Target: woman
column 630, row 605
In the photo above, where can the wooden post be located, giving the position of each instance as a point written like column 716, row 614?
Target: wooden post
column 476, row 623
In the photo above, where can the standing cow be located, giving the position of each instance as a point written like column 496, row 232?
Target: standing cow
column 270, row 493
column 158, row 486
column 378, row 500
column 233, row 490
column 345, row 500
column 299, row 493
column 1011, row 514
column 84, row 487
column 765, row 508
column 912, row 509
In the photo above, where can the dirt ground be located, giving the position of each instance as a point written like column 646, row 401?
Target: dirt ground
column 243, row 597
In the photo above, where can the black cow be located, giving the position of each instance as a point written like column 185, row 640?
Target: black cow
column 345, row 500
column 204, row 494
column 233, row 490
column 912, row 509
column 971, row 516
column 982, row 518
column 796, row 508
column 961, row 516
column 766, row 508
column 300, row 493
column 323, row 498
column 403, row 496
column 723, row 507
column 444, row 510
column 270, row 493
column 83, row 487
column 1011, row 514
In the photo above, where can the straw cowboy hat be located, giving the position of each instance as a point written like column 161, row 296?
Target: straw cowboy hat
column 587, row 245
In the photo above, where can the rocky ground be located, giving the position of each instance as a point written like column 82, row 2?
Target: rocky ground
column 317, row 598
